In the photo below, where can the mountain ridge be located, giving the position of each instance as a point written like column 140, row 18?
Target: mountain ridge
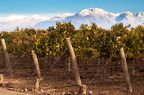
column 99, row 16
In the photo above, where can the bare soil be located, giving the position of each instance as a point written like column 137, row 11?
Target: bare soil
column 100, row 79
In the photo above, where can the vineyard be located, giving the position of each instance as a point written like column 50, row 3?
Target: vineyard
column 97, row 52
column 88, row 41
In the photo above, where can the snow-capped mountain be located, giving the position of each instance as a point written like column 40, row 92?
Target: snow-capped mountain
column 101, row 17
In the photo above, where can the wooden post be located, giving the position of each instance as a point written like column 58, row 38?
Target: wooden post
column 83, row 90
column 36, row 64
column 37, row 84
column 1, row 78
column 39, row 78
column 125, row 69
column 7, row 59
column 74, row 62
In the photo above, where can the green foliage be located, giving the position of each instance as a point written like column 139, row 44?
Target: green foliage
column 88, row 41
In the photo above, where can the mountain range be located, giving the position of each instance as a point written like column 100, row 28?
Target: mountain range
column 99, row 16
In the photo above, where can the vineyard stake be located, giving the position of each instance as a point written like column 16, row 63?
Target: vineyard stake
column 74, row 62
column 125, row 69
column 7, row 59
column 83, row 88
column 1, row 78
column 36, row 63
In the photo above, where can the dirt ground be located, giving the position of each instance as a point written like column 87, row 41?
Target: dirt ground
column 56, row 81
column 7, row 92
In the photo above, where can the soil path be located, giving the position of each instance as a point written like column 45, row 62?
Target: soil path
column 7, row 92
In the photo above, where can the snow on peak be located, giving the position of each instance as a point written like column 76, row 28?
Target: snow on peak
column 140, row 14
column 91, row 11
column 101, row 17
column 127, row 13
column 124, row 15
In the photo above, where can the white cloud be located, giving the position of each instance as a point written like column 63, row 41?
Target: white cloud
column 63, row 15
column 23, row 17
column 10, row 22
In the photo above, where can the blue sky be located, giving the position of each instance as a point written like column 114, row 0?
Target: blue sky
column 70, row 6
